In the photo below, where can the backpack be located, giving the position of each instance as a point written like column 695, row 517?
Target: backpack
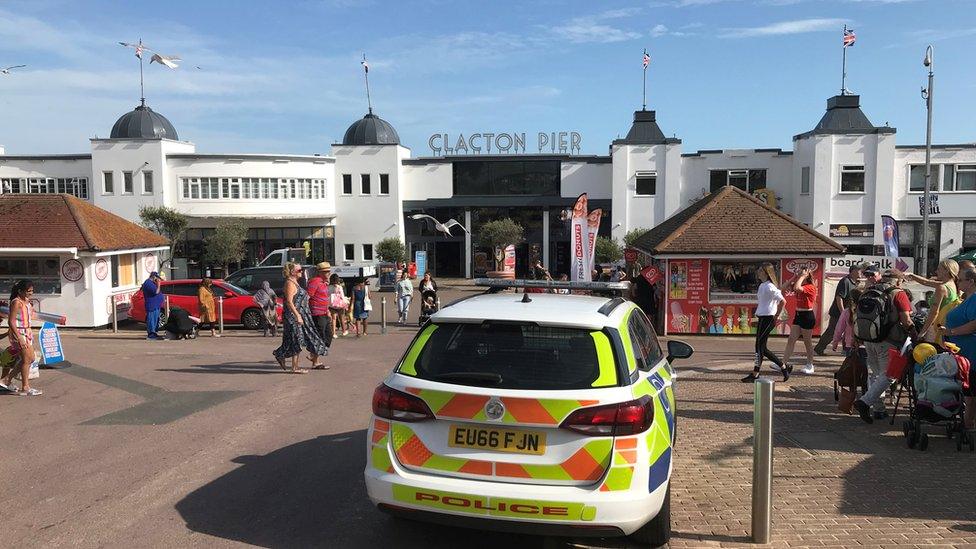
column 872, row 318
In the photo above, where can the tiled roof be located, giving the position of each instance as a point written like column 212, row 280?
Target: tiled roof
column 731, row 221
column 63, row 221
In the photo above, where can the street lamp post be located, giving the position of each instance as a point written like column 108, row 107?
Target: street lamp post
column 927, row 95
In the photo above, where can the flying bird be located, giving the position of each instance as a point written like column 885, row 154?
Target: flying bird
column 442, row 227
column 168, row 60
column 7, row 69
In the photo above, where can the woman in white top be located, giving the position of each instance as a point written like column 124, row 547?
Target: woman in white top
column 771, row 302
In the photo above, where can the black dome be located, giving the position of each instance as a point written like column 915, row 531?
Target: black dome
column 143, row 123
column 371, row 130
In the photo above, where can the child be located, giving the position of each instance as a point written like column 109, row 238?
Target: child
column 844, row 333
column 428, row 308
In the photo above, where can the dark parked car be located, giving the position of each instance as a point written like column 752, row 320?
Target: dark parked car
column 251, row 279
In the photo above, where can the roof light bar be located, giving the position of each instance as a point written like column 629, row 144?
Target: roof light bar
column 502, row 283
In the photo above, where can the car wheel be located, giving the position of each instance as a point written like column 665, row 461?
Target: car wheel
column 251, row 319
column 657, row 532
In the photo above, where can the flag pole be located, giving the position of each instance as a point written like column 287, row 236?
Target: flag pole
column 644, row 92
column 843, row 75
column 142, row 87
column 369, row 102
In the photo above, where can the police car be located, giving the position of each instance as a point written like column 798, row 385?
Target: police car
column 530, row 412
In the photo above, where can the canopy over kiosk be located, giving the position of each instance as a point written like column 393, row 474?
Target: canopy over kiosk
column 710, row 252
column 84, row 261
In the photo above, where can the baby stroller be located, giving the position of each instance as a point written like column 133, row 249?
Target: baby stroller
column 935, row 400
column 428, row 306
column 180, row 325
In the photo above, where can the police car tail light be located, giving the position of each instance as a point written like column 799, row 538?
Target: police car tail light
column 625, row 418
column 392, row 404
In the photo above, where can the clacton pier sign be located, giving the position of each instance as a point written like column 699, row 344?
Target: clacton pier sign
column 443, row 144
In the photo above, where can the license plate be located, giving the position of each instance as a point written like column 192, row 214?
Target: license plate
column 515, row 441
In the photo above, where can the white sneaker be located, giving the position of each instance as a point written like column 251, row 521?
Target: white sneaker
column 808, row 369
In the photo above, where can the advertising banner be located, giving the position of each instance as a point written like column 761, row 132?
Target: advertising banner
column 50, row 340
column 592, row 227
column 651, row 274
column 719, row 297
column 838, row 267
column 509, row 264
column 420, row 259
column 579, row 268
column 889, row 234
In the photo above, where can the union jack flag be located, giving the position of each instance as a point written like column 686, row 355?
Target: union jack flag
column 647, row 60
column 849, row 37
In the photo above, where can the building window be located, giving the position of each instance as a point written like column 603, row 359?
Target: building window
column 646, row 184
column 364, row 183
column 367, row 252
column 507, row 178
column 77, row 186
column 108, row 183
column 916, row 178
column 147, row 182
column 852, row 179
column 44, row 272
column 965, row 177
column 805, row 180
column 123, row 270
column 346, row 183
column 384, row 183
column 969, row 234
column 747, row 180
column 126, row 182
column 348, row 252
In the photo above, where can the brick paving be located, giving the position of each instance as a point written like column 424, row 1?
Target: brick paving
column 838, row 482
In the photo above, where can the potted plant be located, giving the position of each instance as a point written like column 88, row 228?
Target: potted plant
column 498, row 235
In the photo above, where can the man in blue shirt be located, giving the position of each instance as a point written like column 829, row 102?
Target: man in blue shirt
column 153, row 297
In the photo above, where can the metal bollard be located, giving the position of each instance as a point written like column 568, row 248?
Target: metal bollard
column 762, row 460
column 220, row 313
column 115, row 314
column 383, row 316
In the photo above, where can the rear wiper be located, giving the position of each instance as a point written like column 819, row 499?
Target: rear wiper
column 489, row 377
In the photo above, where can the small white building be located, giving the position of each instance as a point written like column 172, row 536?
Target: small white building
column 82, row 260
column 839, row 179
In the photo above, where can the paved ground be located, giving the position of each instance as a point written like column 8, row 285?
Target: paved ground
column 207, row 443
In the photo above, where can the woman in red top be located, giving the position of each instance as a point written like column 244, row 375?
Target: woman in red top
column 803, row 321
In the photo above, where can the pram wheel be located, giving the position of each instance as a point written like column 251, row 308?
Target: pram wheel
column 923, row 442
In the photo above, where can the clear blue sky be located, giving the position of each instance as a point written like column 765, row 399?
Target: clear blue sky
column 285, row 76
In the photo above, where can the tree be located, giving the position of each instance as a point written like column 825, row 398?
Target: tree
column 166, row 222
column 633, row 234
column 391, row 249
column 608, row 250
column 226, row 244
column 498, row 234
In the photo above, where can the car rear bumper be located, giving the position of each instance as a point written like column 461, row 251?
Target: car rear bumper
column 499, row 525
column 529, row 508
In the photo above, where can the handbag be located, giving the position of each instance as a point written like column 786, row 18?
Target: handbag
column 852, row 374
column 367, row 303
column 337, row 300
column 845, row 402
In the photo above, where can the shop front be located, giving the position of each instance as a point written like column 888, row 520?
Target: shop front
column 707, row 257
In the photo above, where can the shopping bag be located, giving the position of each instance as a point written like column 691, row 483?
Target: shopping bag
column 897, row 364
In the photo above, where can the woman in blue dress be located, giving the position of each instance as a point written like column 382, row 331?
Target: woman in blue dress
column 360, row 314
column 299, row 329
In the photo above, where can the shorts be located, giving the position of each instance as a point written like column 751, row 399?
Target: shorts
column 805, row 319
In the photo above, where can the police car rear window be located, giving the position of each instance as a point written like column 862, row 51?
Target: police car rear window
column 508, row 356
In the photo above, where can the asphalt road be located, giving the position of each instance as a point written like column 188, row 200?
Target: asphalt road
column 207, row 442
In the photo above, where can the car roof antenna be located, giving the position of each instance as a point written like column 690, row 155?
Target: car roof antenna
column 526, row 298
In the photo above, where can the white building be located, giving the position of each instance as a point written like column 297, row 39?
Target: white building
column 839, row 179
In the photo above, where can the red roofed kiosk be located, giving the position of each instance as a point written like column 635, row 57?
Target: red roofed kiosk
column 709, row 254
column 78, row 255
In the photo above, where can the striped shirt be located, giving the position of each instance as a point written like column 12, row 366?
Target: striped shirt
column 318, row 296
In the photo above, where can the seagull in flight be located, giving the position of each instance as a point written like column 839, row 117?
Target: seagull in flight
column 7, row 69
column 442, row 227
column 165, row 60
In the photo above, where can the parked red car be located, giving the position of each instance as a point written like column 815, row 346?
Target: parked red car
column 239, row 305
